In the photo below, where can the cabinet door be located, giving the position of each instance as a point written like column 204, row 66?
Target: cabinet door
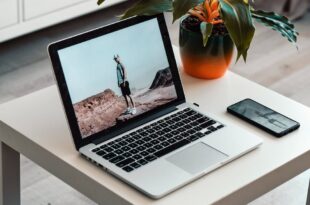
column 36, row 8
column 8, row 12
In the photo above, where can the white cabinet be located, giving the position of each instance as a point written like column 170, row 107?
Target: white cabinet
column 19, row 17
column 37, row 8
column 8, row 12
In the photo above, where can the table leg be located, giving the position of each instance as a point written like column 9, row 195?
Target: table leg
column 308, row 195
column 9, row 176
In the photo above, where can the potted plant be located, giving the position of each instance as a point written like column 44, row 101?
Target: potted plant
column 210, row 29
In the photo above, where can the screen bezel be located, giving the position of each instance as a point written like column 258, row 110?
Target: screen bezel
column 140, row 119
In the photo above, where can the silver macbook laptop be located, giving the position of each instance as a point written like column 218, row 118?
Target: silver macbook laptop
column 127, row 111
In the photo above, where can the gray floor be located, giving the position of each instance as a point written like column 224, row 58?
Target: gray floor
column 274, row 63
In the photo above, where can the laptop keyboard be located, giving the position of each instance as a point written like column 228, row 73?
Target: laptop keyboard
column 158, row 139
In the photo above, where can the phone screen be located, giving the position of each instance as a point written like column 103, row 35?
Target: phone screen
column 263, row 116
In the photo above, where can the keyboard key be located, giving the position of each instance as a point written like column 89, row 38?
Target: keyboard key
column 127, row 136
column 185, row 134
column 181, row 129
column 212, row 129
column 194, row 123
column 161, row 121
column 187, row 126
column 207, row 124
column 171, row 148
column 141, row 148
column 160, row 132
column 144, row 153
column 137, row 137
column 167, row 130
column 119, row 151
column 191, row 112
column 193, row 138
column 135, row 165
column 171, row 140
column 168, row 135
column 133, row 145
column 123, row 143
column 155, row 142
column 151, row 150
column 108, row 149
column 199, row 134
column 125, row 148
column 133, row 133
column 137, row 156
column 161, row 139
column 125, row 162
column 109, row 156
column 192, row 118
column 220, row 126
column 139, row 142
column 202, row 120
column 130, row 140
column 151, row 131
column 128, row 169
column 116, row 159
column 115, row 146
column 208, row 132
column 127, row 154
column 153, row 136
column 103, row 146
column 147, row 127
column 164, row 125
column 198, row 115
column 133, row 151
column 111, row 143
column 142, row 161
column 148, row 145
column 150, row 158
column 165, row 144
column 95, row 150
column 178, row 137
column 158, row 147
column 186, row 121
column 101, row 153
column 146, row 139
column 191, row 131
column 175, row 132
column 144, row 134
column 173, row 127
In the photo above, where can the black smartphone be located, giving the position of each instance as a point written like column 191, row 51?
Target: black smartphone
column 263, row 117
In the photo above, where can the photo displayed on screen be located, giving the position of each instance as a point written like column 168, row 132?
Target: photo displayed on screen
column 118, row 76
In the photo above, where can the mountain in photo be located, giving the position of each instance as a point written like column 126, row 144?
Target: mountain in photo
column 163, row 78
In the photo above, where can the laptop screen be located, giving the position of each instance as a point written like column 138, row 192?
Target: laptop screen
column 118, row 76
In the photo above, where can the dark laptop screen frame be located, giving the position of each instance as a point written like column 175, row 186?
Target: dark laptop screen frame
column 140, row 119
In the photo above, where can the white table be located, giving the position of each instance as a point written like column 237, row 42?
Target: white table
column 35, row 126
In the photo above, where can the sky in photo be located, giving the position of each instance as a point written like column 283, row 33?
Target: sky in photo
column 89, row 67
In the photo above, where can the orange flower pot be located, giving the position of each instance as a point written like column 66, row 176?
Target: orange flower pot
column 209, row 62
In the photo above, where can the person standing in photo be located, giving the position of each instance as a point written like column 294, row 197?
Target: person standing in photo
column 123, row 84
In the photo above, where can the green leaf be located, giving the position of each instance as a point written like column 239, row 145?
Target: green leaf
column 237, row 18
column 206, row 30
column 100, row 2
column 148, row 7
column 278, row 23
column 181, row 7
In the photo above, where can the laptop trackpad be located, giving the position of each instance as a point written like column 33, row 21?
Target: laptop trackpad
column 197, row 158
